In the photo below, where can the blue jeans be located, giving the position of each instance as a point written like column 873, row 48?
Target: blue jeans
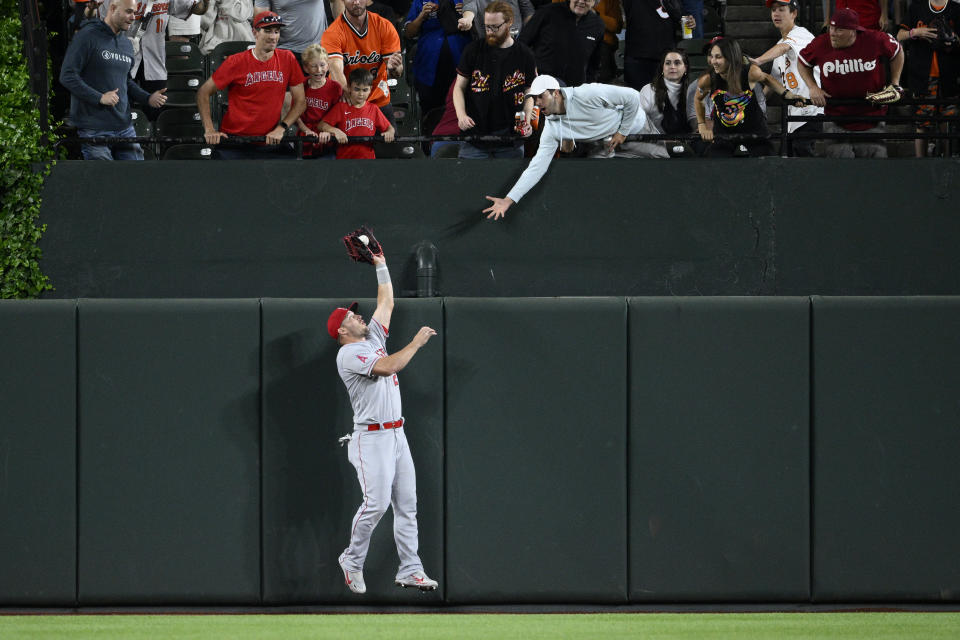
column 437, row 146
column 117, row 151
column 694, row 8
column 470, row 152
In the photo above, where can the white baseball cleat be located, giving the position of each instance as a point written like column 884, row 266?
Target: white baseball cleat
column 354, row 579
column 417, row 579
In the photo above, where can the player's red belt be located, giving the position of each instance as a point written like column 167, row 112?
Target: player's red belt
column 386, row 425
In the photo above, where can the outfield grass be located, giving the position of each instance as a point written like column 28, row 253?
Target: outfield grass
column 672, row 626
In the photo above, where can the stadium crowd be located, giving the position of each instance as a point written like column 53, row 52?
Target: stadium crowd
column 330, row 70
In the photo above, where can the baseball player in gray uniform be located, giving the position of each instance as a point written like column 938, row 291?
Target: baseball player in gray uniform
column 378, row 447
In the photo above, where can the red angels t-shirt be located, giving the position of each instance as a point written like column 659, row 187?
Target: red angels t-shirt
column 255, row 90
column 367, row 120
column 319, row 102
column 852, row 72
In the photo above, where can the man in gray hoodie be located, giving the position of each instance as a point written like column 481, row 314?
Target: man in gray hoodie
column 589, row 112
column 96, row 71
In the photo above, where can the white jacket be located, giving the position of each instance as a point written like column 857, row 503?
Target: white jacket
column 226, row 21
column 594, row 111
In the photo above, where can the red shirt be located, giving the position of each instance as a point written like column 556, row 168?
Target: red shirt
column 367, row 120
column 852, row 72
column 255, row 90
column 319, row 102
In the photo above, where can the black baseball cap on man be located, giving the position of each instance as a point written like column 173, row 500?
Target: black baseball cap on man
column 788, row 3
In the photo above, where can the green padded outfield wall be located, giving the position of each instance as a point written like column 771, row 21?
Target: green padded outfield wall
column 536, row 450
column 38, row 453
column 719, row 449
column 169, row 437
column 598, row 450
column 886, row 432
column 767, row 226
column 310, row 489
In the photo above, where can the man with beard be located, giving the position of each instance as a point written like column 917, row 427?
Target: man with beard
column 488, row 91
column 565, row 38
column 365, row 40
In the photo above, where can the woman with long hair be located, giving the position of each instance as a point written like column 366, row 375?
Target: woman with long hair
column 668, row 100
column 729, row 85
column 668, row 103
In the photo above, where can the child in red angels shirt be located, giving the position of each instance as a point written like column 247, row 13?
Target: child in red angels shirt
column 321, row 96
column 357, row 117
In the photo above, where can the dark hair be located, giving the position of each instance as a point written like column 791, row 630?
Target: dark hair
column 660, row 87
column 360, row 76
column 733, row 54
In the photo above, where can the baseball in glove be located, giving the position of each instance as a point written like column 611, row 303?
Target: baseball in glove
column 888, row 95
column 360, row 251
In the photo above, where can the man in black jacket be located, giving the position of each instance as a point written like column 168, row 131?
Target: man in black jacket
column 565, row 38
column 651, row 28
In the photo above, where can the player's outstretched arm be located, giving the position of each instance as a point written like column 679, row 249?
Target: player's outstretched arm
column 384, row 308
column 395, row 362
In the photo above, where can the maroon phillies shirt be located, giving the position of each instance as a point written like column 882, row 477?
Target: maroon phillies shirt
column 852, row 72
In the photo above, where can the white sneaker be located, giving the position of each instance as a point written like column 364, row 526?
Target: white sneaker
column 417, row 579
column 354, row 579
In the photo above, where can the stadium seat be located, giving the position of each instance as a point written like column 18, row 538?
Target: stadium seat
column 222, row 51
column 188, row 152
column 182, row 90
column 428, row 123
column 693, row 46
column 395, row 150
column 184, row 57
column 141, row 124
column 178, row 123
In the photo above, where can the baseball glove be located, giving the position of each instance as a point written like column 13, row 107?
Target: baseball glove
column 888, row 95
column 359, row 251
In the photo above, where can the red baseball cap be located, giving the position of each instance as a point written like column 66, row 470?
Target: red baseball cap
column 267, row 19
column 336, row 319
column 846, row 19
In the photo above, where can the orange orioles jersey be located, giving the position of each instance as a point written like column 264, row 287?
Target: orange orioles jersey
column 368, row 50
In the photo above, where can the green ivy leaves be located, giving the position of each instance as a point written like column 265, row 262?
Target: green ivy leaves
column 24, row 164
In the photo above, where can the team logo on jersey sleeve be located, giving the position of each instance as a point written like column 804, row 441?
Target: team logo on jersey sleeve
column 362, row 359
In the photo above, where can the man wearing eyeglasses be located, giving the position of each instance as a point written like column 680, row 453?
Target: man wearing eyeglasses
column 489, row 88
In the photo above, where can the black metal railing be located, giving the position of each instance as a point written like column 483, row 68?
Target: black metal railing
column 295, row 142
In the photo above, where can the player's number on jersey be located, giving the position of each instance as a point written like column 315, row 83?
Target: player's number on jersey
column 792, row 80
column 160, row 23
column 396, row 380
